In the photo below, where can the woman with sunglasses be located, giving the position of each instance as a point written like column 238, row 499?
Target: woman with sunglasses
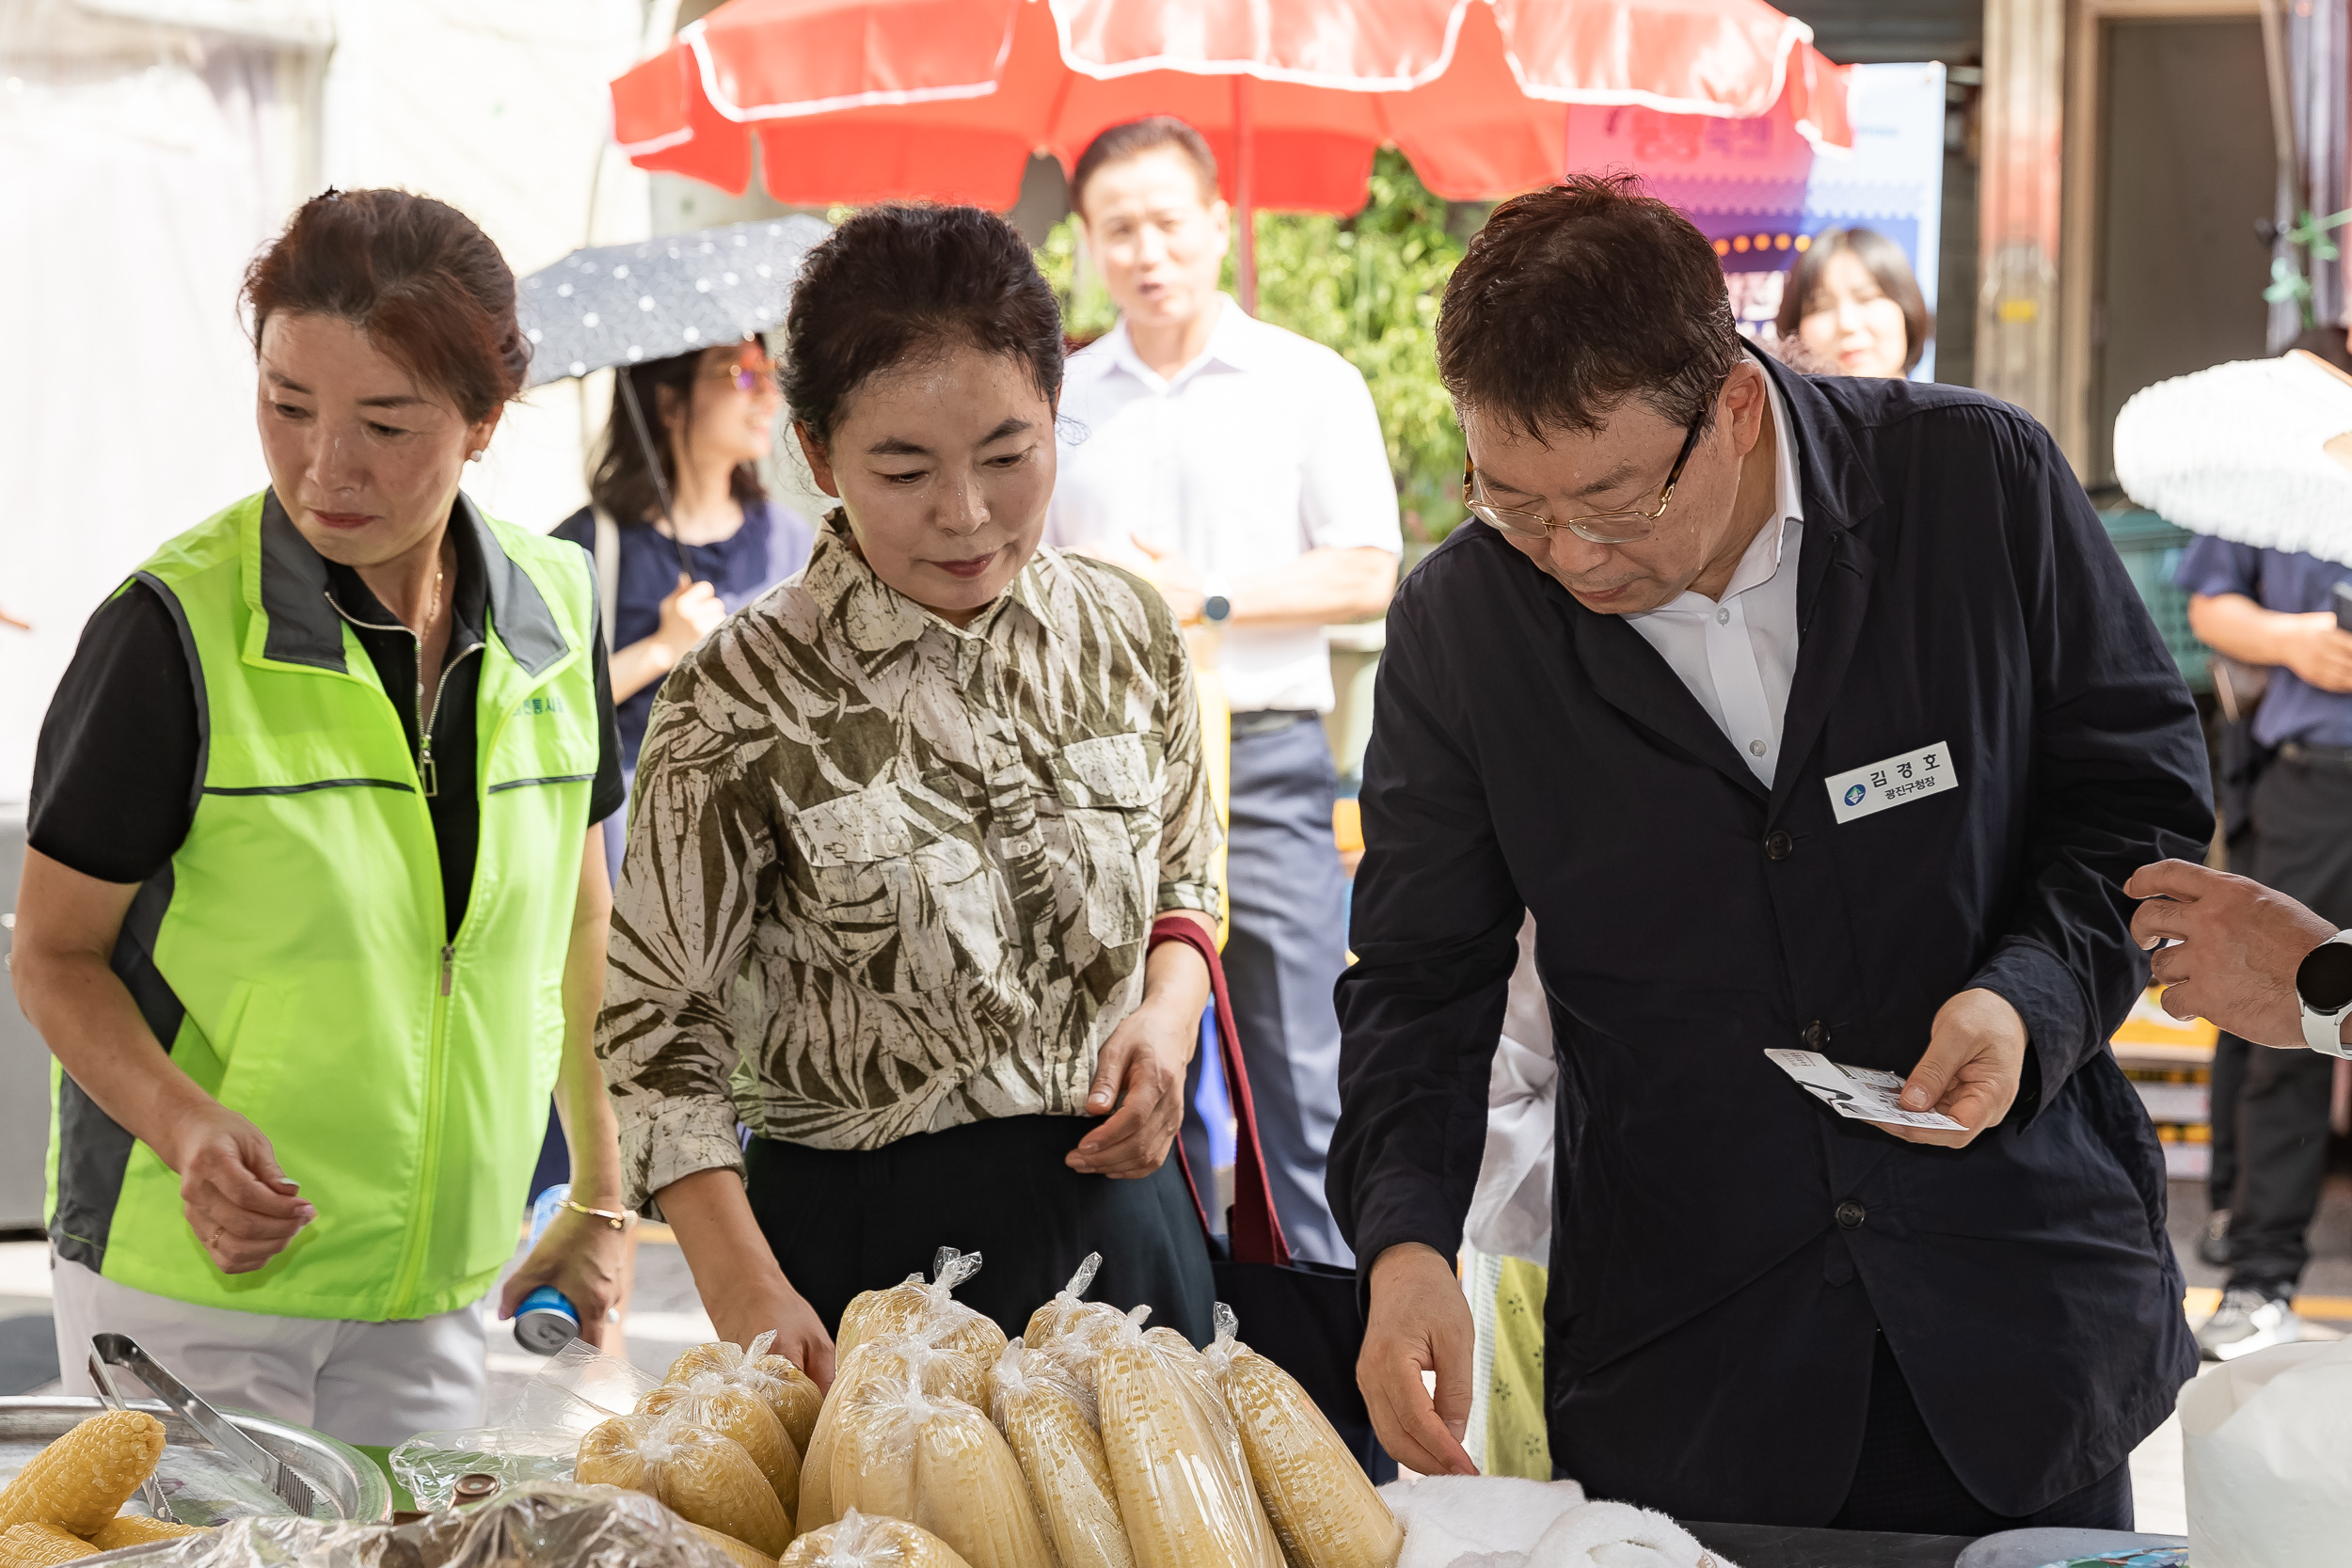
column 667, row 581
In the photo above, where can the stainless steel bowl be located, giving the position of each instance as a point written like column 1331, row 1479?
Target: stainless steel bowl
column 348, row 1485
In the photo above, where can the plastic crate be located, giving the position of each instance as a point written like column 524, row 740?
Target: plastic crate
column 2152, row 550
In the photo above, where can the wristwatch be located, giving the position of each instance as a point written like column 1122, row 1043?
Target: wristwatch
column 2323, row 983
column 1215, row 607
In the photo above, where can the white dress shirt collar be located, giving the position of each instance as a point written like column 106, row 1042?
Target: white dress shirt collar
column 1231, row 345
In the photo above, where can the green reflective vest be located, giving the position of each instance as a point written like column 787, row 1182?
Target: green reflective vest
column 293, row 956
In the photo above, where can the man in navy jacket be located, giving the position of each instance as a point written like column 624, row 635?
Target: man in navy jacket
column 1803, row 714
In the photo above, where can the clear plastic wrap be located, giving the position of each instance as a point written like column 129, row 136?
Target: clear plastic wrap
column 936, row 1370
column 1058, row 1316
column 929, row 1313
column 790, row 1392
column 1323, row 1507
column 1175, row 1458
column 712, row 1399
column 538, row 1526
column 862, row 1541
column 534, row 1436
column 936, row 1462
column 700, row 1475
column 1034, row 1402
column 429, row 1463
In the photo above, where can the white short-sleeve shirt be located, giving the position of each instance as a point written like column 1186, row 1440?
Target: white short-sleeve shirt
column 1263, row 448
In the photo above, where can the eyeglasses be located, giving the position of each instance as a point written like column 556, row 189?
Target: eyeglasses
column 748, row 371
column 1598, row 527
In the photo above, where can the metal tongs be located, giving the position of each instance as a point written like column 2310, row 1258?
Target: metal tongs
column 108, row 1351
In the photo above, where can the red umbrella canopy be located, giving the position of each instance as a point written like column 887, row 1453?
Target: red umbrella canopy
column 861, row 101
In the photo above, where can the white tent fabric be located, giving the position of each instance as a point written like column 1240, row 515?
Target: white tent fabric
column 147, row 160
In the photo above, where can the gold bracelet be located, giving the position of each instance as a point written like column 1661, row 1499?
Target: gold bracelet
column 619, row 1219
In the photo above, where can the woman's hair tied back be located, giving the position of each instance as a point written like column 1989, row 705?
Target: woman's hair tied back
column 420, row 279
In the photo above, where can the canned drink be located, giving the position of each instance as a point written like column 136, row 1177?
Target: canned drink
column 546, row 1320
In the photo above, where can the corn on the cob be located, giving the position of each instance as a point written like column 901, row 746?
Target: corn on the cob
column 1053, row 1318
column 875, row 1359
column 137, row 1529
column 743, row 1556
column 935, row 1461
column 1325, row 1511
column 929, row 1312
column 701, row 1475
column 714, row 1400
column 1061, row 1456
column 608, row 1455
column 790, row 1391
column 82, row 1480
column 1186, row 1499
column 861, row 1541
column 37, row 1544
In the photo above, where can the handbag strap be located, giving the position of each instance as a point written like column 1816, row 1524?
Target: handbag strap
column 1255, row 1229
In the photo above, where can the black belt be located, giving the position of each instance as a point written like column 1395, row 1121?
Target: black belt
column 2331, row 756
column 1266, row 721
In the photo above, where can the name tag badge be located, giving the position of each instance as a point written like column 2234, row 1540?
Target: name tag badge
column 1897, row 781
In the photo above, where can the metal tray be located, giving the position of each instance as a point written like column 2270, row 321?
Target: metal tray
column 348, row 1485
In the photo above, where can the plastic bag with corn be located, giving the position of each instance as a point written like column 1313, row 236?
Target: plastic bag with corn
column 1175, row 1457
column 1322, row 1506
column 938, row 1463
column 929, row 1311
column 790, row 1392
column 700, row 1475
column 1034, row 1402
column 862, row 1541
column 943, row 1372
column 710, row 1399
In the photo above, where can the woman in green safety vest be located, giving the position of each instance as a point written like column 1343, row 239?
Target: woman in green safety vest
column 314, row 910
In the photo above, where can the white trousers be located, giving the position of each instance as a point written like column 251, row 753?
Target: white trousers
column 374, row 1384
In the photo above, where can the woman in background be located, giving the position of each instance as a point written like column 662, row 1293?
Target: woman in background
column 714, row 415
column 1852, row 307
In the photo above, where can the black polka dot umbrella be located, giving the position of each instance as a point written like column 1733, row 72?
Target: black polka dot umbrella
column 623, row 304
column 680, row 293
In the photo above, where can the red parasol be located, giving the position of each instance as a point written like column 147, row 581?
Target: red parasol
column 861, row 101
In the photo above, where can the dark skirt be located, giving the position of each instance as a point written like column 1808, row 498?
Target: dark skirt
column 841, row 1221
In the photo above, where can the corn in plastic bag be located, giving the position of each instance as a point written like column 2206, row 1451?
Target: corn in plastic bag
column 937, row 1372
column 930, row 1311
column 937, row 1463
column 790, row 1392
column 1175, row 1458
column 82, row 1480
column 742, row 1555
column 863, row 1541
column 1035, row 1407
column 699, row 1475
column 710, row 1399
column 1323, row 1507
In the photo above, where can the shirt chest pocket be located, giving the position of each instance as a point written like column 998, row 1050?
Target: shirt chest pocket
column 1109, row 788
column 892, row 887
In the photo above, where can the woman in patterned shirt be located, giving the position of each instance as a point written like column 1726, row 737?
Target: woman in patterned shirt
column 903, row 830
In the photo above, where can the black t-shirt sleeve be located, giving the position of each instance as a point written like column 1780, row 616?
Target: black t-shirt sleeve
column 610, row 791
column 114, row 774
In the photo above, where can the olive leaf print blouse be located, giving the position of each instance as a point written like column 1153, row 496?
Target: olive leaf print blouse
column 885, row 875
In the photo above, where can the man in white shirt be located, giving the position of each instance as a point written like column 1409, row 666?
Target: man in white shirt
column 1240, row 468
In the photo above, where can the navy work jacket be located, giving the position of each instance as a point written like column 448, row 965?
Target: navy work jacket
column 1723, row 1246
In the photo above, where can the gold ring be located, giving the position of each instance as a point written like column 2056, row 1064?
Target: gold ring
column 215, row 1242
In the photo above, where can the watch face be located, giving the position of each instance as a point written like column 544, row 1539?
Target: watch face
column 2324, row 980
column 1217, row 606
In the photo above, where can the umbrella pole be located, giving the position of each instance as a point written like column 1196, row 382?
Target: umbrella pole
column 653, row 460
column 1245, row 160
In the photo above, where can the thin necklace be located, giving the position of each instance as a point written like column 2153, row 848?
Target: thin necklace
column 433, row 606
